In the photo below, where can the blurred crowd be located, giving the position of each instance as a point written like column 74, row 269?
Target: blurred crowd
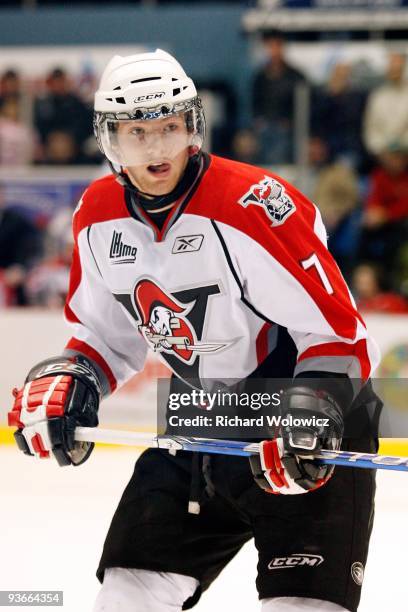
column 52, row 127
column 356, row 160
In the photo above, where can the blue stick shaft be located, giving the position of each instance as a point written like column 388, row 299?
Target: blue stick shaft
column 245, row 449
column 232, row 447
column 369, row 464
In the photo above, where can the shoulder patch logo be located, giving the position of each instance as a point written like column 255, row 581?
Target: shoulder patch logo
column 270, row 194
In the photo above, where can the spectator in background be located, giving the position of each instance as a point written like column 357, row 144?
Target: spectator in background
column 385, row 217
column 273, row 100
column 61, row 110
column 17, row 140
column 245, row 147
column 20, row 247
column 368, row 289
column 10, row 86
column 61, row 149
column 386, row 115
column 336, row 115
column 47, row 282
column 403, row 270
column 334, row 189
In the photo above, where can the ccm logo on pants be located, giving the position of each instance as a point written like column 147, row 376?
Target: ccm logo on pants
column 295, row 560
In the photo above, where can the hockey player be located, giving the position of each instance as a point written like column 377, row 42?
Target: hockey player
column 222, row 268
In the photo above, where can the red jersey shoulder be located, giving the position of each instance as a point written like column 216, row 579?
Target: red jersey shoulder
column 103, row 200
column 274, row 214
column 240, row 194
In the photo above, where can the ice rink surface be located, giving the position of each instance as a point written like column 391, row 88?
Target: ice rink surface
column 53, row 522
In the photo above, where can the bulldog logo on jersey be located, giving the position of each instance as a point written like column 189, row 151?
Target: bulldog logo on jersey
column 165, row 324
column 272, row 197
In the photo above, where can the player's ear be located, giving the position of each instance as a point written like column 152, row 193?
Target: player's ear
column 193, row 150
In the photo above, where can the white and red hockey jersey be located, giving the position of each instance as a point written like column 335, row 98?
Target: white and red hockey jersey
column 241, row 255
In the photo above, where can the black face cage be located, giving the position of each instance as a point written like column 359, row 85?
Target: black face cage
column 193, row 109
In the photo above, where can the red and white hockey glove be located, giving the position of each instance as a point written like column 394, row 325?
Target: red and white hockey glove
column 312, row 420
column 59, row 394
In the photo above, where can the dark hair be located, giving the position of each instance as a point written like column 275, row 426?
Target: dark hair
column 57, row 73
column 9, row 74
column 273, row 33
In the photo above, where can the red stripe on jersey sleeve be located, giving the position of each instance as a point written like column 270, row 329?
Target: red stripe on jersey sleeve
column 74, row 281
column 262, row 343
column 86, row 349
column 70, row 315
column 341, row 349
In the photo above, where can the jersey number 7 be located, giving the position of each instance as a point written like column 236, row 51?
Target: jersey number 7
column 313, row 260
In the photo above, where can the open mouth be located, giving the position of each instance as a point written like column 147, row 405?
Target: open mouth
column 159, row 169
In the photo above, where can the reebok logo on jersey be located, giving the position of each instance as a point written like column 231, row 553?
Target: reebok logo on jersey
column 121, row 253
column 295, row 560
column 187, row 244
column 272, row 197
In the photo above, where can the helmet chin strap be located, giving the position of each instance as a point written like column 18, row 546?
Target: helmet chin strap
column 187, row 178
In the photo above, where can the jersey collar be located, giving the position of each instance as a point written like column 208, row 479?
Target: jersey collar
column 135, row 203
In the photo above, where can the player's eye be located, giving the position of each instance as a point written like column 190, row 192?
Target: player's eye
column 137, row 131
column 171, row 127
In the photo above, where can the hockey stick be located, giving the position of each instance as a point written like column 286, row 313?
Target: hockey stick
column 231, row 447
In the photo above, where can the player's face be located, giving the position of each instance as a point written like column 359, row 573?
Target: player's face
column 158, row 150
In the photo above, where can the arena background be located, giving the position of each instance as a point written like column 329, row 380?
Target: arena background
column 43, row 170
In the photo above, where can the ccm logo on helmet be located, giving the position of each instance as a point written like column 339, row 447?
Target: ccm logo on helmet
column 295, row 560
column 153, row 96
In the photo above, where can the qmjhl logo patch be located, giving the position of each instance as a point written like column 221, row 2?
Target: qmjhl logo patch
column 121, row 253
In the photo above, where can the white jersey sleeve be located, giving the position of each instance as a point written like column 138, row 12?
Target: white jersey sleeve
column 100, row 328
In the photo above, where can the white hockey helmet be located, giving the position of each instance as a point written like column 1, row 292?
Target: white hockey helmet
column 145, row 87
